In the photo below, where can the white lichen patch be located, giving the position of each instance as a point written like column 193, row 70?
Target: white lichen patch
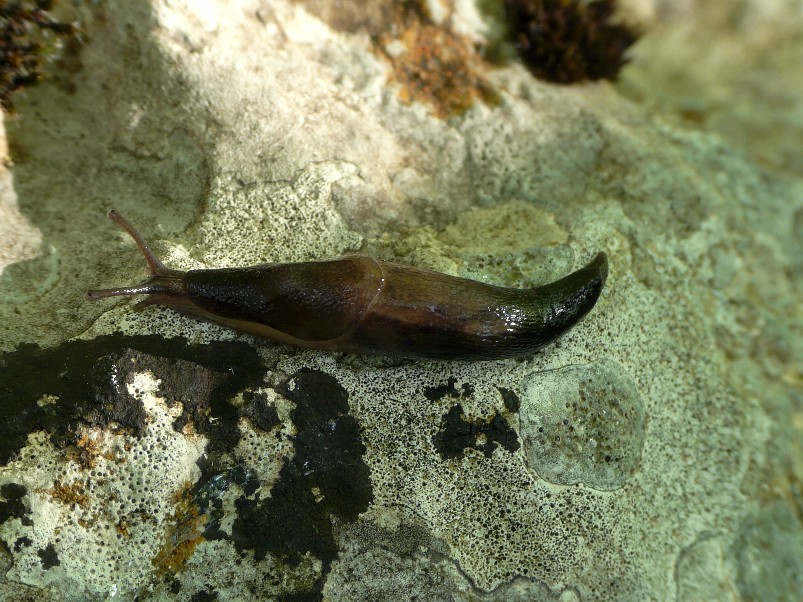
column 293, row 221
column 264, row 452
column 583, row 424
column 19, row 240
column 208, row 570
column 103, row 509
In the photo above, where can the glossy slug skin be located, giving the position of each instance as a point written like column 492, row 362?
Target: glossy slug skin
column 362, row 305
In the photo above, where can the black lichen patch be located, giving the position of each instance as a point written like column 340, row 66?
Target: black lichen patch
column 510, row 399
column 205, row 383
column 567, row 41
column 88, row 380
column 205, row 595
column 48, row 557
column 260, row 410
column 457, row 434
column 211, row 488
column 441, row 391
column 22, row 542
column 24, row 42
column 326, row 478
column 12, row 505
column 87, row 383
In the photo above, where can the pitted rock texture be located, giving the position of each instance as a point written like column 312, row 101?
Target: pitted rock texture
column 148, row 455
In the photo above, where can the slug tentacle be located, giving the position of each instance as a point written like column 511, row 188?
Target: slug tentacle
column 163, row 280
column 362, row 305
column 154, row 263
column 149, row 287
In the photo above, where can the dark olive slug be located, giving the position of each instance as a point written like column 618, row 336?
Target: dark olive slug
column 362, row 305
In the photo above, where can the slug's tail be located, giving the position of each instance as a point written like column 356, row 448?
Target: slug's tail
column 163, row 280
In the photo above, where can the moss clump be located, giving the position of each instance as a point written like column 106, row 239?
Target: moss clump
column 26, row 28
column 567, row 41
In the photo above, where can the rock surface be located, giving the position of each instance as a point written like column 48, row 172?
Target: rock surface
column 654, row 451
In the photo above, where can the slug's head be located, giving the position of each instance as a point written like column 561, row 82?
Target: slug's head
column 163, row 286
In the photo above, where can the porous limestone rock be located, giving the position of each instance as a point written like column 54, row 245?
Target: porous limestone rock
column 654, row 451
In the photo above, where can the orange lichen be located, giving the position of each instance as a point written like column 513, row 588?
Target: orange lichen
column 71, row 494
column 122, row 527
column 432, row 63
column 175, row 557
column 86, row 452
column 183, row 535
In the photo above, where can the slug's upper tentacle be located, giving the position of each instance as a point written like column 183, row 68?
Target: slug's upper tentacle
column 154, row 263
column 163, row 280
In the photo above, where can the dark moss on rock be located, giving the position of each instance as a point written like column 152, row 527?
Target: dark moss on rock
column 260, row 410
column 510, row 399
column 211, row 488
column 568, row 41
column 24, row 42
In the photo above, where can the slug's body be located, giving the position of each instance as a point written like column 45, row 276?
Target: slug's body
column 362, row 305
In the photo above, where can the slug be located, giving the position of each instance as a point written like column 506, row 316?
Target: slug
column 358, row 304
